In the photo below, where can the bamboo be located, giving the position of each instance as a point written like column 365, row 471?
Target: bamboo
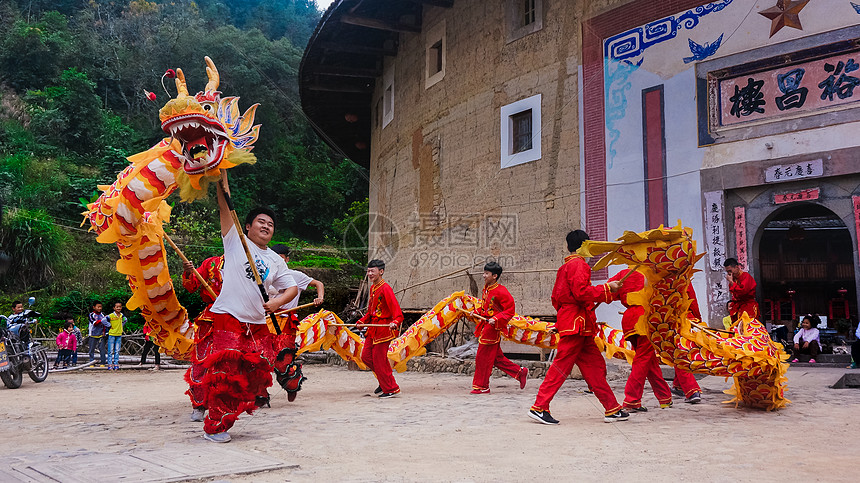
column 196, row 273
column 287, row 311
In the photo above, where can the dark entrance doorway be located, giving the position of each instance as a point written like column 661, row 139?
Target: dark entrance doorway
column 807, row 262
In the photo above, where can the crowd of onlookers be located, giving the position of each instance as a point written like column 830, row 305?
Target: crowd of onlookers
column 105, row 333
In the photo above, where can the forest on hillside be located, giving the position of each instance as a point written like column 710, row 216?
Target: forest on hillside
column 72, row 107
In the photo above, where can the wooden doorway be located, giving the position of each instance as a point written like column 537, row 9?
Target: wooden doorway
column 807, row 261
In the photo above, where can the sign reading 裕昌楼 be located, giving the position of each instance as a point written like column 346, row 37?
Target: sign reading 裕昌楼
column 794, row 171
column 790, row 90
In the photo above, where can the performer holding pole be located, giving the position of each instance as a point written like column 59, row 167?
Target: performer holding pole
column 645, row 364
column 496, row 309
column 243, row 349
column 684, row 384
column 382, row 309
column 742, row 287
column 574, row 298
column 208, row 275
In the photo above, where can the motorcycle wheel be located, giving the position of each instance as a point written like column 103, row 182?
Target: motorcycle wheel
column 40, row 367
column 11, row 378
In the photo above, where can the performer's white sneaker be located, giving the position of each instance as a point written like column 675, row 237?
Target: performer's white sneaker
column 218, row 437
column 197, row 415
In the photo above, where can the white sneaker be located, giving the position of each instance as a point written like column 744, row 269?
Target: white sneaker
column 218, row 437
column 197, row 415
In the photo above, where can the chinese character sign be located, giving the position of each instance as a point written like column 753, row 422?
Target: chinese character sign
column 789, row 90
column 741, row 235
column 794, row 171
column 715, row 243
column 804, row 195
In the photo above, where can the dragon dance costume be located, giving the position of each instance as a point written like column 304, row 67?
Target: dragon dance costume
column 645, row 365
column 382, row 309
column 743, row 297
column 210, row 270
column 574, row 298
column 498, row 304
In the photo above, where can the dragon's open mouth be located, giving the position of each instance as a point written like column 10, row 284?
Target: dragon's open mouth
column 203, row 141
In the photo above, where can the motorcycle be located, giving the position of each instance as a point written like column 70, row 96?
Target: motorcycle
column 18, row 352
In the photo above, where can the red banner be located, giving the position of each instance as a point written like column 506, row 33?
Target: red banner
column 741, row 236
column 810, row 194
column 856, row 200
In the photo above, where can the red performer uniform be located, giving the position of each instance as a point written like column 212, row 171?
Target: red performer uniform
column 382, row 308
column 574, row 298
column 497, row 304
column 645, row 365
column 240, row 351
column 684, row 380
column 743, row 297
column 210, row 270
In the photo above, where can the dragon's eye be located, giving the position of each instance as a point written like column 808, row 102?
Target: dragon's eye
column 207, row 107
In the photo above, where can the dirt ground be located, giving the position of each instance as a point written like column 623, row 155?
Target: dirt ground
column 437, row 431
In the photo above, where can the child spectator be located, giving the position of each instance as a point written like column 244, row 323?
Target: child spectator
column 99, row 324
column 117, row 322
column 806, row 339
column 79, row 340
column 66, row 343
column 150, row 344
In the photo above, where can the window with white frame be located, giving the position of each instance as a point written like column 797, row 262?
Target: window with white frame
column 521, row 132
column 388, row 97
column 434, row 48
column 524, row 17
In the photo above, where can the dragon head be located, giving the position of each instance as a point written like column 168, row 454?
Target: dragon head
column 207, row 131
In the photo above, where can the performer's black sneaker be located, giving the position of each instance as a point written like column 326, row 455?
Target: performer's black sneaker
column 678, row 392
column 378, row 390
column 621, row 415
column 542, row 417
column 694, row 398
column 262, row 401
column 386, row 395
column 640, row 409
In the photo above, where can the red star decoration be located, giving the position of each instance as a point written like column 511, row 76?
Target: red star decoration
column 786, row 13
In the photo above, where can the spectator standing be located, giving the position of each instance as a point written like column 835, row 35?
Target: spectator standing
column 150, row 344
column 99, row 325
column 79, row 340
column 117, row 323
column 66, row 343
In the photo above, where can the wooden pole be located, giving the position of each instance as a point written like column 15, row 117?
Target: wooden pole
column 287, row 311
column 362, row 325
column 630, row 273
column 196, row 273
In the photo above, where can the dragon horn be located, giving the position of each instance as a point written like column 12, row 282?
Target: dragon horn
column 181, row 88
column 212, row 73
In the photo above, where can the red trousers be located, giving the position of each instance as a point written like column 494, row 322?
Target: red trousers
column 645, row 366
column 489, row 356
column 582, row 351
column 685, row 381
column 375, row 356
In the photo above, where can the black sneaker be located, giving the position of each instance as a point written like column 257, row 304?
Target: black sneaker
column 640, row 409
column 378, row 390
column 386, row 395
column 621, row 415
column 262, row 401
column 678, row 392
column 694, row 398
column 542, row 417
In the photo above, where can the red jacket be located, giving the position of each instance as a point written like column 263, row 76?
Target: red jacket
column 210, row 270
column 743, row 296
column 694, row 306
column 382, row 308
column 634, row 283
column 498, row 303
column 574, row 298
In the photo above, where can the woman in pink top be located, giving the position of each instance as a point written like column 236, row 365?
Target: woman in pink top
column 806, row 340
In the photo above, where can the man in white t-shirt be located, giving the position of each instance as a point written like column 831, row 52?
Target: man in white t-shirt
column 243, row 350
